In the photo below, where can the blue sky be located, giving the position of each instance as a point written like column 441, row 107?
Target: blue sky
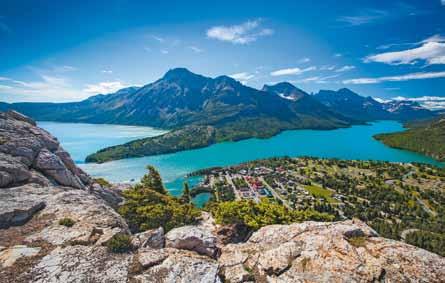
column 69, row 50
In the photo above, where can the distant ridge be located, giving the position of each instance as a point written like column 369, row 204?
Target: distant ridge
column 201, row 111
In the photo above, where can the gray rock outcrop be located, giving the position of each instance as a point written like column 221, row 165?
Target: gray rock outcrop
column 327, row 252
column 25, row 147
column 193, row 238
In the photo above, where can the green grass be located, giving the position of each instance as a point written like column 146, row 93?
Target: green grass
column 319, row 192
column 119, row 243
column 67, row 222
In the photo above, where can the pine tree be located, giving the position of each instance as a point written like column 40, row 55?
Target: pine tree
column 153, row 180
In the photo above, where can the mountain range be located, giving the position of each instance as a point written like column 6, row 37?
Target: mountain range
column 220, row 109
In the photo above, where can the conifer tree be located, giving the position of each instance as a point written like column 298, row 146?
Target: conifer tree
column 153, row 180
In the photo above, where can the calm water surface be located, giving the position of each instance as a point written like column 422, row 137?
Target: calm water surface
column 351, row 143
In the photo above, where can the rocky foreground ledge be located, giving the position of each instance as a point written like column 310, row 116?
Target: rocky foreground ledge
column 40, row 185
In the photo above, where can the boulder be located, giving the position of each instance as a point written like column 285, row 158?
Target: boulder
column 113, row 198
column 181, row 267
column 51, row 165
column 321, row 252
column 149, row 239
column 12, row 170
column 95, row 221
column 148, row 257
column 81, row 264
column 193, row 238
column 19, row 204
column 25, row 147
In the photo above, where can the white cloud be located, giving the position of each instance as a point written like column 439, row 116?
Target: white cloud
column 443, row 2
column 345, row 69
column 4, row 87
column 63, row 69
column 304, row 60
column 158, row 39
column 196, row 49
column 365, row 17
column 242, row 77
column 327, row 68
column 163, row 51
column 317, row 79
column 338, row 55
column 431, row 50
column 244, row 33
column 49, row 88
column 107, row 71
column 407, row 77
column 291, row 71
column 104, row 87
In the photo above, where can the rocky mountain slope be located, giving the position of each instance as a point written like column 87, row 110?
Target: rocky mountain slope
column 40, row 186
column 352, row 105
column 183, row 98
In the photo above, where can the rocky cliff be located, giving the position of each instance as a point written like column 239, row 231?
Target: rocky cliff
column 40, row 186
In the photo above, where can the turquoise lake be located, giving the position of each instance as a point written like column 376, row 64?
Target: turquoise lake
column 350, row 143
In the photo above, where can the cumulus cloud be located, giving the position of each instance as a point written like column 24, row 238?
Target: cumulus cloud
column 345, row 68
column 430, row 50
column 291, row 71
column 104, row 87
column 406, row 77
column 244, row 33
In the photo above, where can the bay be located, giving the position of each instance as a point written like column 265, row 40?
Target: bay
column 350, row 143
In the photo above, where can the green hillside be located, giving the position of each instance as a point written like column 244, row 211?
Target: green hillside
column 424, row 137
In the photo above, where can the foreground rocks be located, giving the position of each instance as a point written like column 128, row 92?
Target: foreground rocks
column 346, row 251
column 40, row 187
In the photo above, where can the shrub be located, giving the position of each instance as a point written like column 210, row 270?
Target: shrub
column 357, row 241
column 147, row 209
column 148, row 205
column 68, row 222
column 119, row 243
column 256, row 215
column 102, row 182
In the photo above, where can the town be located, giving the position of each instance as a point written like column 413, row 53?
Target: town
column 399, row 200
